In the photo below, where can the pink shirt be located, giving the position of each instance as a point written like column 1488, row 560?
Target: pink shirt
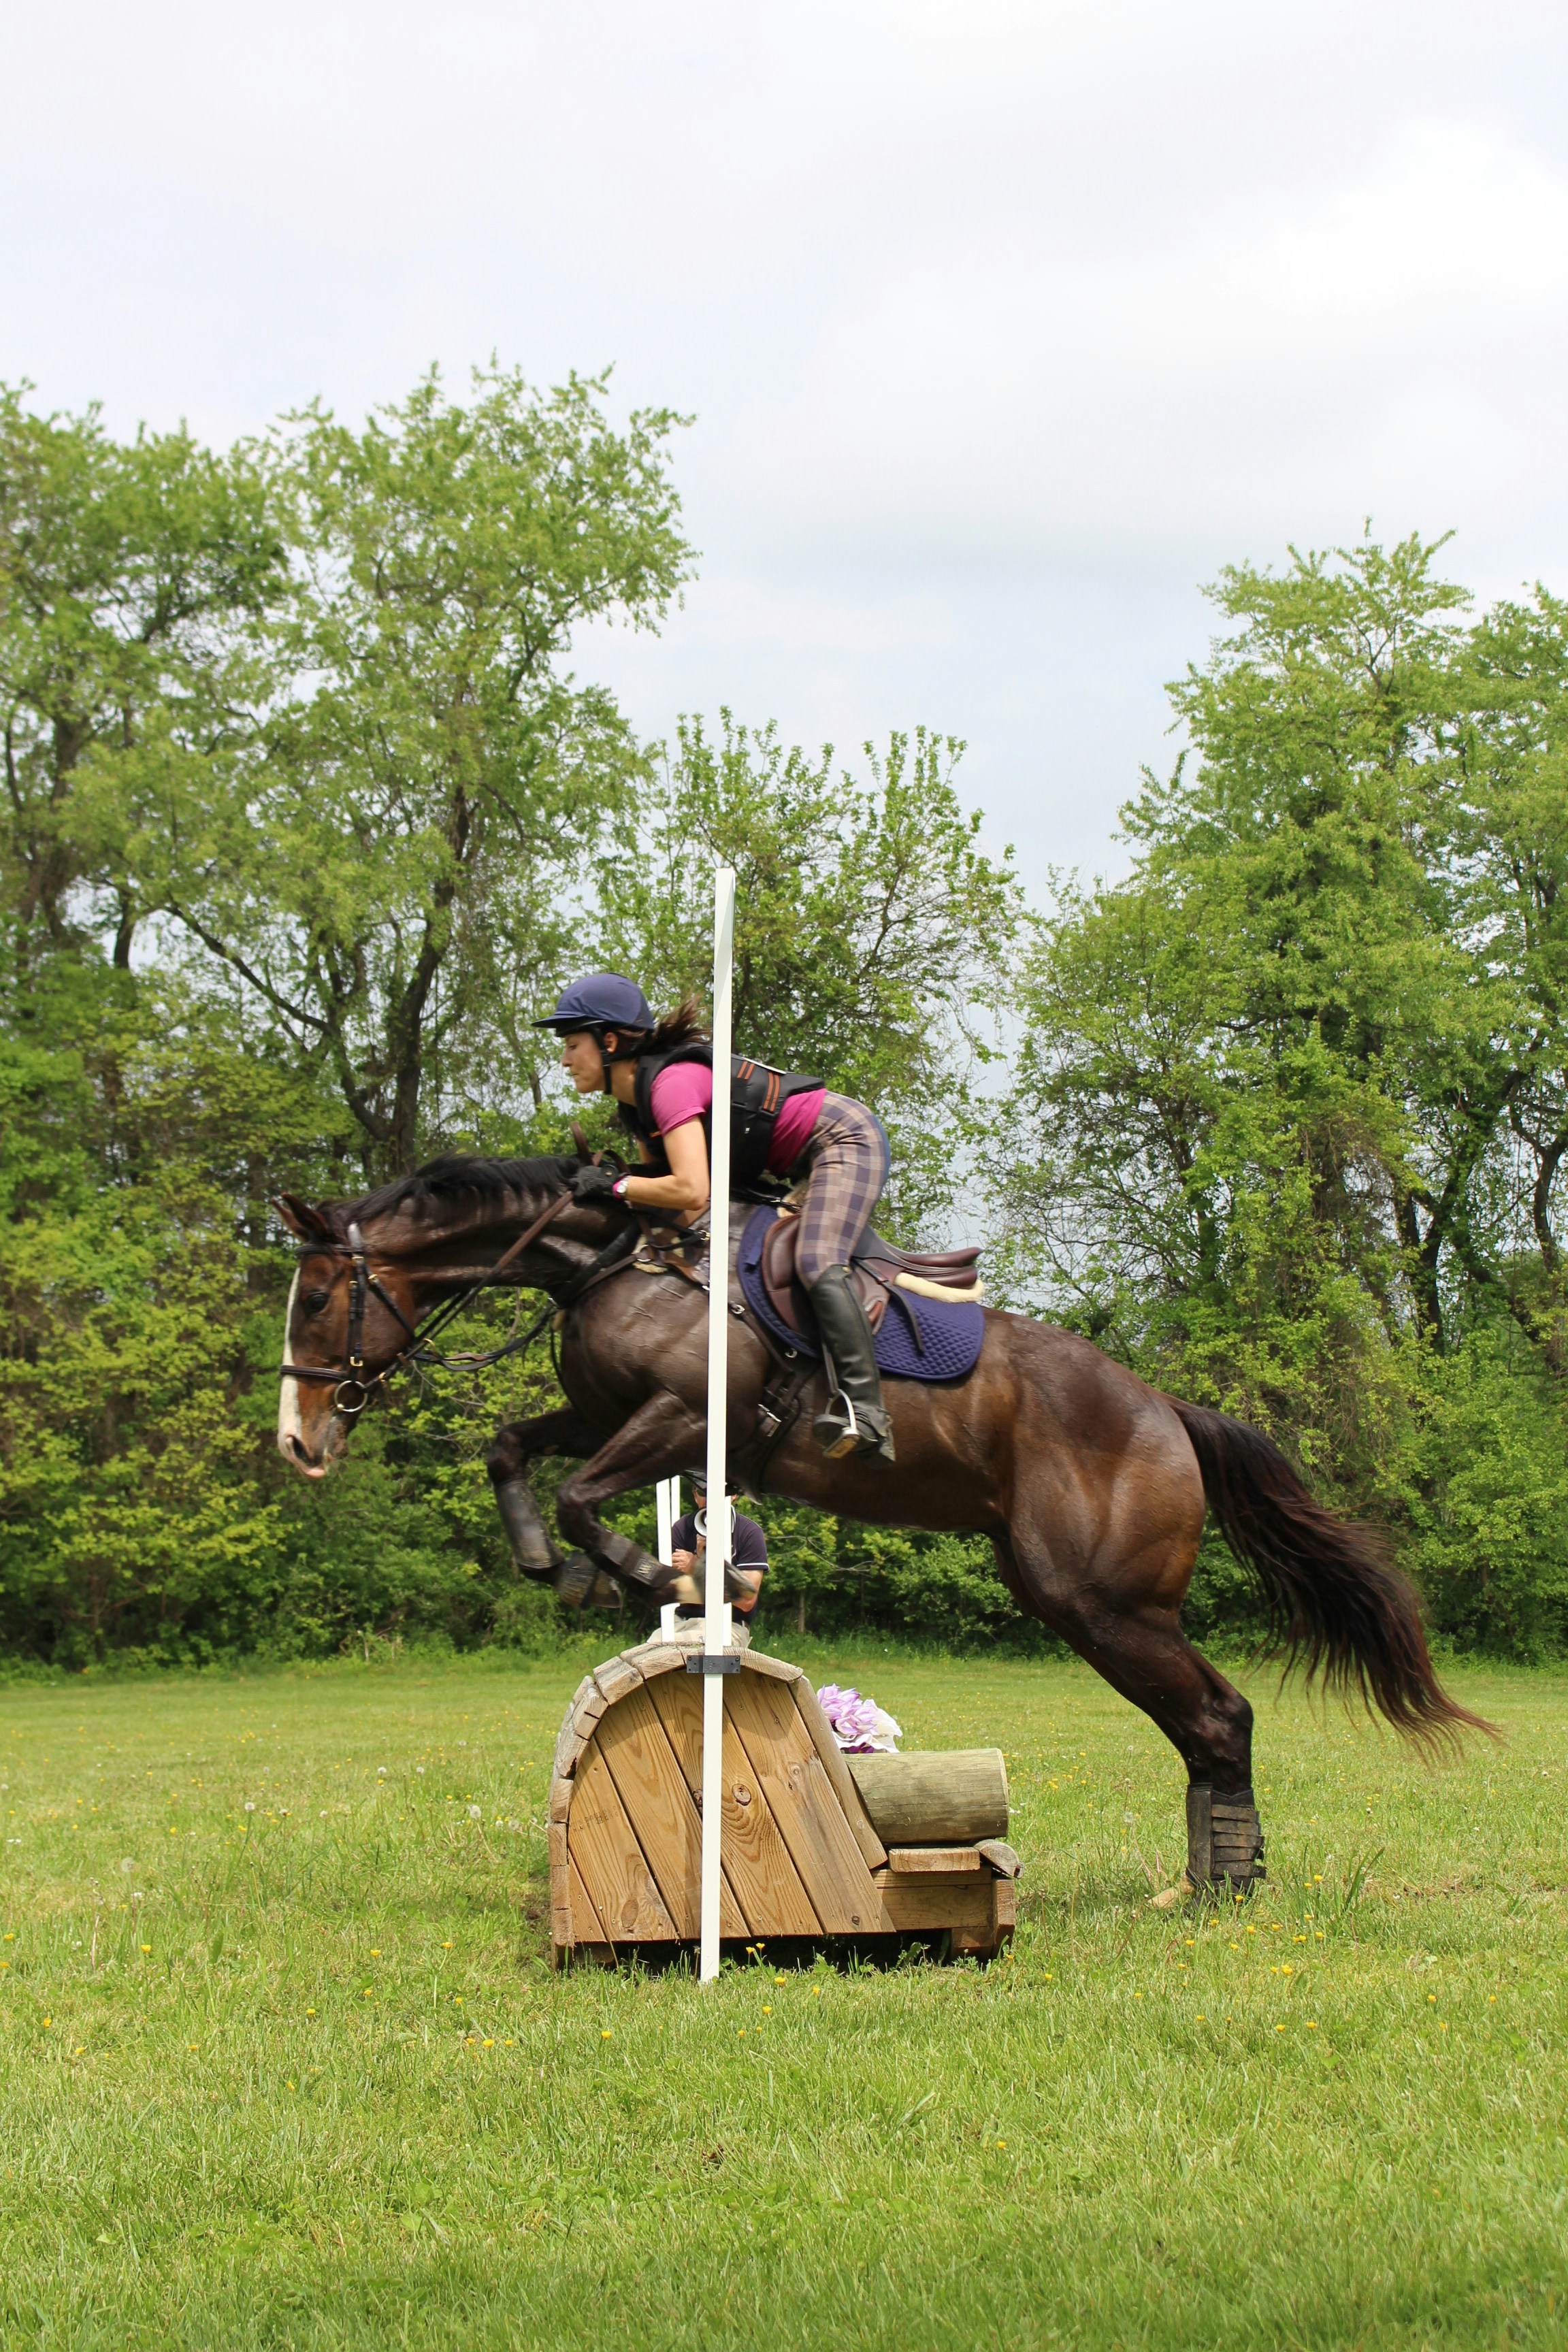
column 685, row 1092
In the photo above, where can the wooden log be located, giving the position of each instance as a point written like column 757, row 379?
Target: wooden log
column 954, row 1796
column 800, row 1797
column 873, row 1853
column 760, row 1893
column 917, row 1861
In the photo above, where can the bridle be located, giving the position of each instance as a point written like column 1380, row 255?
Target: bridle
column 354, row 1389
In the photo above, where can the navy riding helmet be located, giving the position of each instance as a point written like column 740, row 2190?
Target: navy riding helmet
column 605, row 1000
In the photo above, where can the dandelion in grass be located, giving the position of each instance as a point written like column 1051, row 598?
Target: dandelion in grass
column 604, row 2032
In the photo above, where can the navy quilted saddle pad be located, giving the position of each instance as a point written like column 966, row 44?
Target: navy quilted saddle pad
column 918, row 1339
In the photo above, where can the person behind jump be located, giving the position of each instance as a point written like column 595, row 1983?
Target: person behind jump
column 748, row 1552
column 782, row 1124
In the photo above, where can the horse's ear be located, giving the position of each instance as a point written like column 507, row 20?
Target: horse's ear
column 307, row 1223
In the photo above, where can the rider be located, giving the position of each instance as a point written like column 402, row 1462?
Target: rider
column 661, row 1076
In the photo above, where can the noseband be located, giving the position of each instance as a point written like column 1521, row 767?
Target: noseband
column 355, row 1390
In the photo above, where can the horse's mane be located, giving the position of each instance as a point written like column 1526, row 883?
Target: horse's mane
column 455, row 1181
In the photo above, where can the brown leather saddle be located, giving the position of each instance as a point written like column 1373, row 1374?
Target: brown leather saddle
column 877, row 1267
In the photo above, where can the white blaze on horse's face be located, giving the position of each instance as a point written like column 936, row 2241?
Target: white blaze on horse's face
column 291, row 1440
column 289, row 1396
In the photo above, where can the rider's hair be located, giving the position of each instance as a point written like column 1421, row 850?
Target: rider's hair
column 677, row 1028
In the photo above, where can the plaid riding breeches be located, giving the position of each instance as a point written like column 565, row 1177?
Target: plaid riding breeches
column 844, row 1167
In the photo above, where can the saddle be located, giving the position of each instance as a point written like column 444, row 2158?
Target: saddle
column 876, row 1268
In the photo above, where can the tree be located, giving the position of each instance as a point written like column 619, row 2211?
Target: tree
column 386, row 858
column 126, row 573
column 873, row 934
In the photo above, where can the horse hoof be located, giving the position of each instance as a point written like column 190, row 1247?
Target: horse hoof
column 575, row 1581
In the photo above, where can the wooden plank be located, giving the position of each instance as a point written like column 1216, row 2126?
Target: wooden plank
column 953, row 1797
column 659, row 1805
column 605, row 1849
column 911, row 1861
column 757, row 1872
column 560, row 1797
column 779, row 1668
column 560, row 1892
column 578, row 1728
column 564, row 1737
column 655, row 1657
column 615, row 1679
column 789, row 1773
column 1004, row 1904
column 963, row 1901
column 873, row 1853
column 587, row 1927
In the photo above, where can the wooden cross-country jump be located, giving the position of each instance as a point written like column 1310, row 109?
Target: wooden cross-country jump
column 814, row 1844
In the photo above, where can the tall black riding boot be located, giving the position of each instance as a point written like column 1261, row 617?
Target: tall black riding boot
column 856, row 1421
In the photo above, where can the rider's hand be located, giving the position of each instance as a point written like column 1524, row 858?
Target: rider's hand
column 593, row 1185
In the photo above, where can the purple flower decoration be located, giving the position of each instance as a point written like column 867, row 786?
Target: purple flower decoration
column 852, row 1718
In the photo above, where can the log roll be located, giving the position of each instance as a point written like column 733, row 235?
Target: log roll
column 955, row 1797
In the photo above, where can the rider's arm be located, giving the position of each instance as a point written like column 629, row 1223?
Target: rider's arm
column 684, row 1190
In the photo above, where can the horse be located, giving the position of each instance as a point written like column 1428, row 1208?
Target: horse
column 1091, row 1485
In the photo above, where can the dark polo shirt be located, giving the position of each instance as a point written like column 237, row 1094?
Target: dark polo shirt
column 751, row 1551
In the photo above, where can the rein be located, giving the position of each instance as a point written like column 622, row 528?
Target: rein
column 353, row 1390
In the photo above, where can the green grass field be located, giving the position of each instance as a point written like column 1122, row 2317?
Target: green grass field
column 285, row 2063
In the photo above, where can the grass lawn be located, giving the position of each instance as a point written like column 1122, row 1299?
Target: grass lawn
column 284, row 2062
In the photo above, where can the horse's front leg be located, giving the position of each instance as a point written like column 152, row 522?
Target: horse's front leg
column 521, row 1442
column 662, row 1437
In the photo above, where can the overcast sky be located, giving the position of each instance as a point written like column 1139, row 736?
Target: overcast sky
column 1003, row 325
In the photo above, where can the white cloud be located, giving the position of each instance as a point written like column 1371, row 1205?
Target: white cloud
column 1006, row 321
column 1394, row 341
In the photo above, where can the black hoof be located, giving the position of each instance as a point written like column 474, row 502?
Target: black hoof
column 574, row 1581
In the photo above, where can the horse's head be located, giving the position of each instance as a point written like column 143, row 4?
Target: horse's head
column 340, row 1331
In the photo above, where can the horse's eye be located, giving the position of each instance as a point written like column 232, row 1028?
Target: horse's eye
column 312, row 1301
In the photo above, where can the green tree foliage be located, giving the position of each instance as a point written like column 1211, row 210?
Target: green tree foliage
column 305, row 815
column 875, row 937
column 1292, row 1091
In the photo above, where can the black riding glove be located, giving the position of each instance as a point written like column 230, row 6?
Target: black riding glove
column 593, row 1185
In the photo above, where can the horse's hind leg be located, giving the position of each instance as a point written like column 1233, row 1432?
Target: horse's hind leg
column 1141, row 1651
column 521, row 1442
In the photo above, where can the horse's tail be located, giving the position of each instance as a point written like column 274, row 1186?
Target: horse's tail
column 1328, row 1586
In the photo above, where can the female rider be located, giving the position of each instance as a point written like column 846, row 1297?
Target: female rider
column 661, row 1076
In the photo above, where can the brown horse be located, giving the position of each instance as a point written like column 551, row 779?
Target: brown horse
column 1091, row 1485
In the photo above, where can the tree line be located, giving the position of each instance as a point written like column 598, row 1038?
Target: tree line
column 306, row 815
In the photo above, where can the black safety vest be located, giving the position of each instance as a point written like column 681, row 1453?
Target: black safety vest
column 757, row 1095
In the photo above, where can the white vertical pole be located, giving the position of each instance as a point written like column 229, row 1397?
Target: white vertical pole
column 667, row 1502
column 715, row 1615
column 667, row 1505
